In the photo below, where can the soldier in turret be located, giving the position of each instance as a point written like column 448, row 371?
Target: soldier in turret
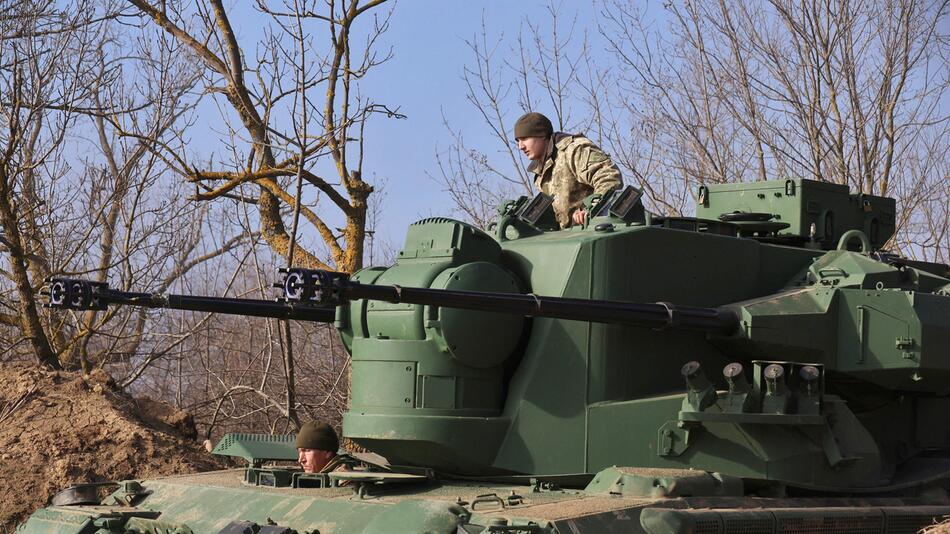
column 317, row 445
column 567, row 167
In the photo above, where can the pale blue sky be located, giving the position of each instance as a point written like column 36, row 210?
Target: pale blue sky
column 424, row 80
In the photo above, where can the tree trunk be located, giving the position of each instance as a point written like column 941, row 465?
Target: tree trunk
column 30, row 323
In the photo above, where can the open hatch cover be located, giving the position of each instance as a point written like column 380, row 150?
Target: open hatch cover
column 258, row 448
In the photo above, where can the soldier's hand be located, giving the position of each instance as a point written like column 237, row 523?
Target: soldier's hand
column 578, row 216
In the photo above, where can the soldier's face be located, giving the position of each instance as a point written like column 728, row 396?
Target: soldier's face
column 533, row 147
column 313, row 460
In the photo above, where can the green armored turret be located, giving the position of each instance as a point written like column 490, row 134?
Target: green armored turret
column 761, row 366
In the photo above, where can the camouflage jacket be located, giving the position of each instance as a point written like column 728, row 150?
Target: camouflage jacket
column 573, row 169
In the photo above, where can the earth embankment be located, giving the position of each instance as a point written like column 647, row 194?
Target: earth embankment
column 60, row 428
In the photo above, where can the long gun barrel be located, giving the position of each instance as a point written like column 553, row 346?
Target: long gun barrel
column 311, row 295
column 326, row 287
column 85, row 295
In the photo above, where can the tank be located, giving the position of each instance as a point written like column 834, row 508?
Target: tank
column 762, row 367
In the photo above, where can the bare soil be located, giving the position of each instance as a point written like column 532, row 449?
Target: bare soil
column 59, row 428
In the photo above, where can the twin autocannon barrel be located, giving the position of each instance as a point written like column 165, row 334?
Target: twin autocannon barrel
column 77, row 294
column 328, row 287
column 311, row 295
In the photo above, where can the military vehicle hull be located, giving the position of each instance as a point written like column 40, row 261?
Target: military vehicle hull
column 617, row 500
column 504, row 378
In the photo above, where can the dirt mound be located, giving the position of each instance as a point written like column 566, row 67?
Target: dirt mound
column 58, row 429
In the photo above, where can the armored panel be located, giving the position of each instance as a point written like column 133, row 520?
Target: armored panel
column 438, row 237
column 385, row 384
column 810, row 208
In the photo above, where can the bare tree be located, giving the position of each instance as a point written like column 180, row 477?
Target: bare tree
column 268, row 96
column 96, row 113
column 290, row 114
column 41, row 89
column 734, row 90
column 847, row 92
column 68, row 179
